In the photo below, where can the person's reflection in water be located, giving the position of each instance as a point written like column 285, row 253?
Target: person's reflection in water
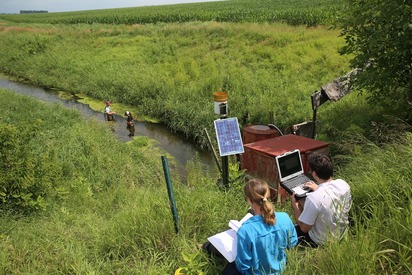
column 130, row 123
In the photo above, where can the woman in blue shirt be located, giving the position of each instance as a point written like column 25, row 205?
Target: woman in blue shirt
column 264, row 238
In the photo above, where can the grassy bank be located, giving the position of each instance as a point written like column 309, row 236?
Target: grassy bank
column 76, row 200
column 164, row 68
column 169, row 71
column 104, row 218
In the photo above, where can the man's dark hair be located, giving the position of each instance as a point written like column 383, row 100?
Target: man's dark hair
column 321, row 164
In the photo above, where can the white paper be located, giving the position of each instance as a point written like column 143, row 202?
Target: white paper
column 226, row 241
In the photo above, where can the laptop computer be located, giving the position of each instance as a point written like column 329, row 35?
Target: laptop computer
column 291, row 174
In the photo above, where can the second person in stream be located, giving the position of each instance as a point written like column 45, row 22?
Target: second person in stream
column 130, row 123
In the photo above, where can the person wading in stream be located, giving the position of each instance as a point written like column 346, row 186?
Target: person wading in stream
column 130, row 123
column 108, row 113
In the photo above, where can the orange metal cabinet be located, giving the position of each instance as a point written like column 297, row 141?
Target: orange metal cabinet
column 259, row 157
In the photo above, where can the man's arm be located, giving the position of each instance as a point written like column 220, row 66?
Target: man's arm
column 304, row 227
column 297, row 211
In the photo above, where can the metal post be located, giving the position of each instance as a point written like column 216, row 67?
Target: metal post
column 225, row 159
column 170, row 192
column 314, row 124
column 271, row 117
column 225, row 171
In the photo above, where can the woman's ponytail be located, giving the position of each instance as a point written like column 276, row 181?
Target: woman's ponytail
column 258, row 192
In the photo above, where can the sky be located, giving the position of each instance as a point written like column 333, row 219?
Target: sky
column 14, row 6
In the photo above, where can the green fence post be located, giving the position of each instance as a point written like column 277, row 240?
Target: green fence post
column 170, row 192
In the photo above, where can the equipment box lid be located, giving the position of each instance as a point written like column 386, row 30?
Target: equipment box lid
column 280, row 145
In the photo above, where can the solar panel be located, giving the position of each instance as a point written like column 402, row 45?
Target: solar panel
column 228, row 136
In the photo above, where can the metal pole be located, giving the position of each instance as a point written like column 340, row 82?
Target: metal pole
column 314, row 124
column 170, row 192
column 225, row 171
column 271, row 117
column 225, row 159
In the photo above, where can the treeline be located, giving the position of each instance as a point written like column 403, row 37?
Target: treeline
column 32, row 11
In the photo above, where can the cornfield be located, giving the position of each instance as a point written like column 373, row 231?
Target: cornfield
column 293, row 12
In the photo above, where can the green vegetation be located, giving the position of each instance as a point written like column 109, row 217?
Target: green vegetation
column 105, row 205
column 380, row 35
column 73, row 200
column 49, row 153
column 295, row 12
column 85, row 181
column 161, row 69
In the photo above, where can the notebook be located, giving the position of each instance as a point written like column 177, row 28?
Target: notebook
column 226, row 242
column 291, row 174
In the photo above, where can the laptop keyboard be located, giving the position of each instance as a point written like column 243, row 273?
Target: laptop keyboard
column 296, row 181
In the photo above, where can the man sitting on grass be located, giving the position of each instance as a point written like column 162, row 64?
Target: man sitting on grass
column 324, row 215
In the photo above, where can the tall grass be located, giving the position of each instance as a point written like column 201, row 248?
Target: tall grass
column 116, row 218
column 106, row 208
column 162, row 69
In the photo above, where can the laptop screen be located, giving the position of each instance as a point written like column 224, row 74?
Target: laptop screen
column 289, row 165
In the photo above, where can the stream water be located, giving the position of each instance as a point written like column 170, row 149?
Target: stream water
column 182, row 149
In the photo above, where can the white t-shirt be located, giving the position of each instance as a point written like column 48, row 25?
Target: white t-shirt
column 327, row 209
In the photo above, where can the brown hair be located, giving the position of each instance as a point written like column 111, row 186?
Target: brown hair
column 321, row 164
column 258, row 192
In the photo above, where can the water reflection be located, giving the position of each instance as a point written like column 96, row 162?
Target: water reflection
column 177, row 146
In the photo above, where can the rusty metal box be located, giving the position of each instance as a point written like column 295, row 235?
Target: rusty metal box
column 259, row 157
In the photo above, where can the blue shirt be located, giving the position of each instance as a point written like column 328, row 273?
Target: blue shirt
column 261, row 247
